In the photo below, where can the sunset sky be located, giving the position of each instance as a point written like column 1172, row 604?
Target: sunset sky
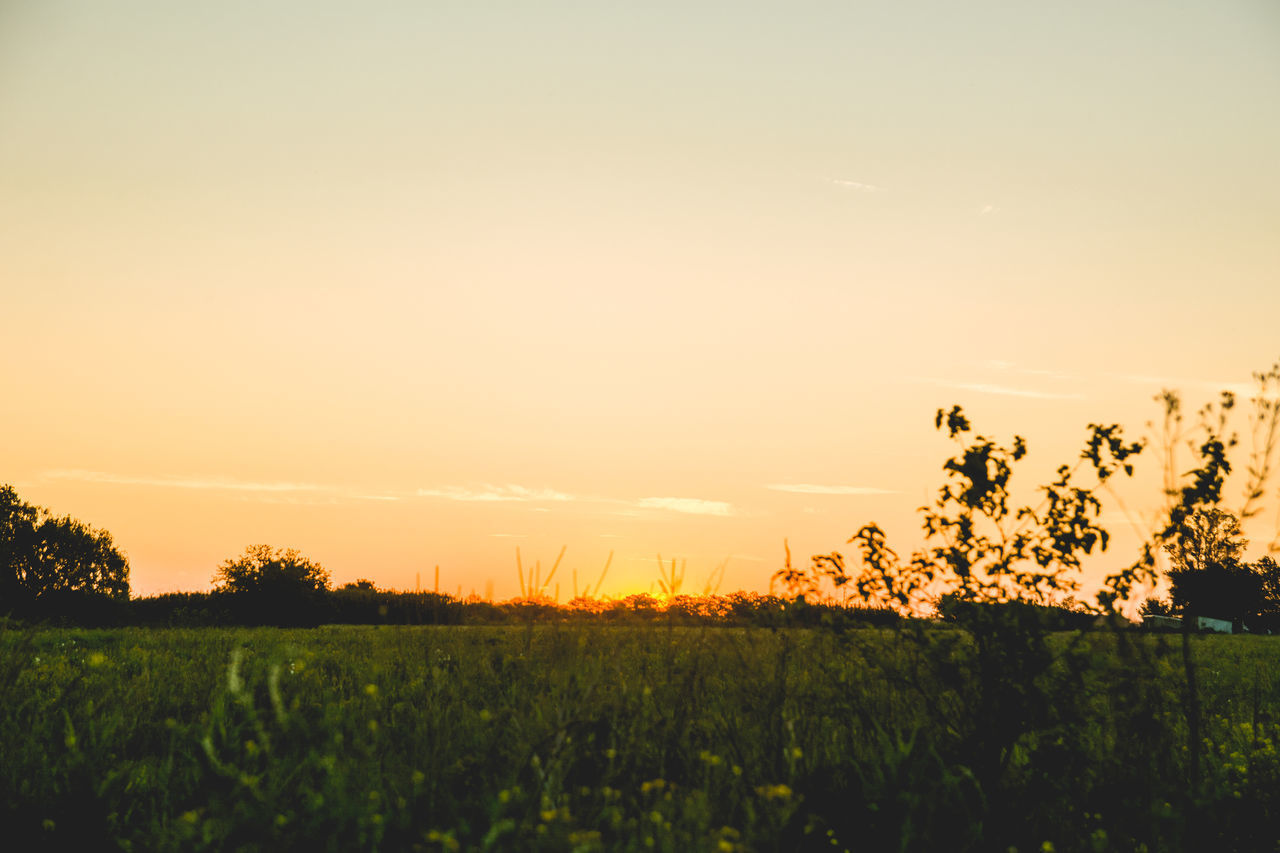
column 405, row 284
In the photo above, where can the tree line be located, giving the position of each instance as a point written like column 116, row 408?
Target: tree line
column 980, row 547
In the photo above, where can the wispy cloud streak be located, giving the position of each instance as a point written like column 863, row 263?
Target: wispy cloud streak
column 493, row 494
column 856, row 185
column 692, row 506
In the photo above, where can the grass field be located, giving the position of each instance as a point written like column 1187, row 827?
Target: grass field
column 588, row 738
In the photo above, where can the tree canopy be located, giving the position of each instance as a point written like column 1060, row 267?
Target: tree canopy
column 262, row 570
column 43, row 555
column 1206, row 575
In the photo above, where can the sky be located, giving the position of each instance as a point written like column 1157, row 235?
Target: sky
column 415, row 284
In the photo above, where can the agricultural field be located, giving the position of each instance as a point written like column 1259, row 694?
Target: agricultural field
column 588, row 737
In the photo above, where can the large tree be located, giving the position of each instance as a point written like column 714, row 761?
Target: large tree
column 43, row 555
column 1206, row 576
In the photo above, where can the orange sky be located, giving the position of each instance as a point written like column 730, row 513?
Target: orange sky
column 420, row 284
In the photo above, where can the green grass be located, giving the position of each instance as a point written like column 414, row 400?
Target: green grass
column 588, row 737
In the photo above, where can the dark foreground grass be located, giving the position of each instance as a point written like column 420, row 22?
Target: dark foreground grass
column 590, row 738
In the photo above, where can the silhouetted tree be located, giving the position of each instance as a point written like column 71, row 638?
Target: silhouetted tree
column 1267, row 571
column 1155, row 607
column 17, row 543
column 1207, row 577
column 362, row 584
column 263, row 571
column 278, row 587
column 45, row 557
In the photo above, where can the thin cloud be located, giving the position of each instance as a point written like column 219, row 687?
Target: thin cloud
column 493, row 494
column 218, row 483
column 817, row 489
column 692, row 506
column 1007, row 391
column 856, row 185
column 986, row 210
column 510, row 535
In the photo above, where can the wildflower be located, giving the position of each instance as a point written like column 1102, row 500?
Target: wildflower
column 611, row 754
column 774, row 792
column 371, row 690
column 485, row 716
column 97, row 659
column 446, row 842
column 419, row 777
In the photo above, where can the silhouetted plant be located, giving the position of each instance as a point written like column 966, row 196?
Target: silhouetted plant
column 273, row 586
column 51, row 564
column 1207, row 576
column 978, row 546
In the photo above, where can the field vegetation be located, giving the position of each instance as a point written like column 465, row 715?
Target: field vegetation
column 572, row 737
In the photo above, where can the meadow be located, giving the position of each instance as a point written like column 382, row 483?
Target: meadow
column 592, row 737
